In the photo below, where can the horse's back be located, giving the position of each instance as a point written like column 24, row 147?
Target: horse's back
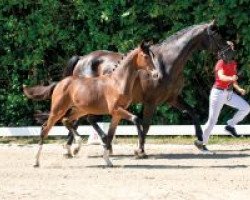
column 96, row 63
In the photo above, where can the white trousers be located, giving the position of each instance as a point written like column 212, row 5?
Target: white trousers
column 217, row 99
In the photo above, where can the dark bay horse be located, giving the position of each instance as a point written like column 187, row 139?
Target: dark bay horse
column 111, row 94
column 170, row 58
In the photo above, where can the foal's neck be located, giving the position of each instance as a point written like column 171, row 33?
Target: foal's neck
column 125, row 74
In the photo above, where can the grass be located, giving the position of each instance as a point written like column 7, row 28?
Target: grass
column 131, row 140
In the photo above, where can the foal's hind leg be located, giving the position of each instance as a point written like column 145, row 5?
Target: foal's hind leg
column 44, row 133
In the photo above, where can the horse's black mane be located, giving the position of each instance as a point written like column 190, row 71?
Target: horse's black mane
column 178, row 34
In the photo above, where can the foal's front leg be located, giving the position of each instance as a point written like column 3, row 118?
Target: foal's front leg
column 124, row 114
column 112, row 128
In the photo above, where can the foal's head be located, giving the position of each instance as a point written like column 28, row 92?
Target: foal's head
column 143, row 58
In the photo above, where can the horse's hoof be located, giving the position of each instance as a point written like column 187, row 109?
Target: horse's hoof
column 110, row 151
column 36, row 165
column 139, row 154
column 67, row 155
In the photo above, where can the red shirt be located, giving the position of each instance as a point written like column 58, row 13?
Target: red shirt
column 229, row 69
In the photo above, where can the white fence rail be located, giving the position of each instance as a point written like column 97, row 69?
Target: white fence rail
column 121, row 130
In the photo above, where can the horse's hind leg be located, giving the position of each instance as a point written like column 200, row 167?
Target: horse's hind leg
column 187, row 109
column 92, row 120
column 112, row 128
column 103, row 136
column 148, row 111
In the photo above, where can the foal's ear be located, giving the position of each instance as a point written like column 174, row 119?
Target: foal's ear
column 145, row 45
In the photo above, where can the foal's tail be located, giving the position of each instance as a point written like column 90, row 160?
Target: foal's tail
column 40, row 92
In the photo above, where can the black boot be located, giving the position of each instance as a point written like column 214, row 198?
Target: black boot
column 232, row 131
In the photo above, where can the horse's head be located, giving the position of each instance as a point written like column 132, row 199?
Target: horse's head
column 214, row 41
column 144, row 58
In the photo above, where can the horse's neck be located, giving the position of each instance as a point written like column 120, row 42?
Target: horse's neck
column 173, row 56
column 124, row 77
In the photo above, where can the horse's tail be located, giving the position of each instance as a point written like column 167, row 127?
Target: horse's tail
column 39, row 92
column 68, row 71
column 41, row 117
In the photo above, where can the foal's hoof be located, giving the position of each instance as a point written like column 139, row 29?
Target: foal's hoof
column 106, row 158
column 139, row 154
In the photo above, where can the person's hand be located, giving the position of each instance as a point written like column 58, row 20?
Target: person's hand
column 242, row 91
column 234, row 78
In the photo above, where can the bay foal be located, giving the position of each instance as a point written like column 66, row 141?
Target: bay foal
column 111, row 94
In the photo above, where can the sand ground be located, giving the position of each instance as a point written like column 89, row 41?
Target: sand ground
column 171, row 172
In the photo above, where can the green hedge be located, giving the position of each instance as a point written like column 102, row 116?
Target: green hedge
column 38, row 37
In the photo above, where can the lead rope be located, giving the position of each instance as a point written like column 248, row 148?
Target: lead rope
column 230, row 92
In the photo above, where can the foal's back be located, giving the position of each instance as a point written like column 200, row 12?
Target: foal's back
column 83, row 93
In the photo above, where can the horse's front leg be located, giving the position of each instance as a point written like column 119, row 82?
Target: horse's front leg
column 187, row 109
column 73, row 133
column 70, row 141
column 148, row 111
column 104, row 138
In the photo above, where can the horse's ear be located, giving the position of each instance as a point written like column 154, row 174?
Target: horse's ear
column 212, row 24
column 145, row 45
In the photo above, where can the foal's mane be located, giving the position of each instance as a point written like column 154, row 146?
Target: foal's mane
column 181, row 32
column 127, row 57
